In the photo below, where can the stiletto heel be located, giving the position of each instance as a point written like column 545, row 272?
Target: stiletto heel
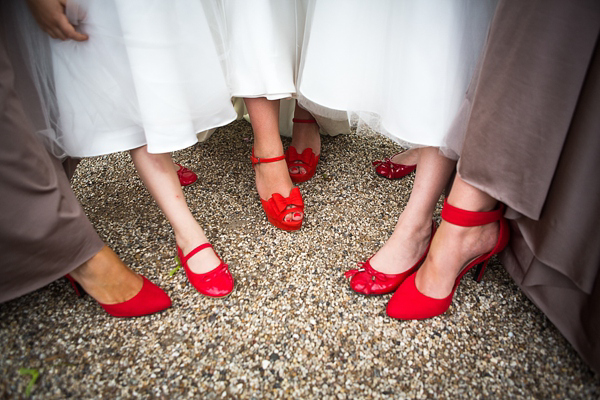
column 277, row 206
column 76, row 286
column 149, row 300
column 368, row 281
column 217, row 282
column 389, row 169
column 307, row 159
column 409, row 303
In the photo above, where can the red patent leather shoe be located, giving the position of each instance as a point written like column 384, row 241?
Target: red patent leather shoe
column 149, row 300
column 186, row 176
column 217, row 282
column 389, row 169
column 307, row 159
column 278, row 207
column 409, row 303
column 368, row 281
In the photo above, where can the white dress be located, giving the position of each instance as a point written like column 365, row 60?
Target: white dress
column 150, row 74
column 262, row 40
column 402, row 65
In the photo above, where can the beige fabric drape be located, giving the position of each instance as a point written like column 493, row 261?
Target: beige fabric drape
column 44, row 233
column 533, row 142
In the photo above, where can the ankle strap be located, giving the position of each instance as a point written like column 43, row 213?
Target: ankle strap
column 304, row 121
column 460, row 217
column 196, row 250
column 258, row 160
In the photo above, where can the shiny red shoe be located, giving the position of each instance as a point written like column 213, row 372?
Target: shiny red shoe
column 215, row 283
column 368, row 281
column 307, row 160
column 277, row 206
column 186, row 176
column 149, row 300
column 389, row 169
column 409, row 303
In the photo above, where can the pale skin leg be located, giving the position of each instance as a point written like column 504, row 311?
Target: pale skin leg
column 408, row 157
column 157, row 173
column 454, row 246
column 270, row 177
column 304, row 136
column 413, row 229
column 107, row 279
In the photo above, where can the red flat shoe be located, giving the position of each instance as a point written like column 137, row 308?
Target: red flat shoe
column 409, row 303
column 368, row 281
column 391, row 170
column 217, row 282
column 277, row 207
column 186, row 176
column 307, row 160
column 149, row 300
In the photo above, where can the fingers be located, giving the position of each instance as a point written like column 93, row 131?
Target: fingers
column 69, row 31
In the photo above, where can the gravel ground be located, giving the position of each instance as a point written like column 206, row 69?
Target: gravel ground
column 292, row 328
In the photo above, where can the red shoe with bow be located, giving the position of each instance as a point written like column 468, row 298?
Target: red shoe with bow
column 307, row 159
column 186, row 176
column 389, row 169
column 278, row 207
column 368, row 281
column 217, row 282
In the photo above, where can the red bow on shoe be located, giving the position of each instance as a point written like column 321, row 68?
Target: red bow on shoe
column 366, row 267
column 281, row 203
column 307, row 157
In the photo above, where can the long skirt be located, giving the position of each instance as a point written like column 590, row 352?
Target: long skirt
column 532, row 141
column 44, row 233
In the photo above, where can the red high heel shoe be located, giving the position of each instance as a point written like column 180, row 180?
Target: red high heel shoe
column 389, row 169
column 149, row 300
column 217, row 282
column 186, row 176
column 409, row 303
column 277, row 207
column 307, row 160
column 368, row 281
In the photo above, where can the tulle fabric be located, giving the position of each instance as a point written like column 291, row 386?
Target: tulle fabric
column 150, row 74
column 399, row 66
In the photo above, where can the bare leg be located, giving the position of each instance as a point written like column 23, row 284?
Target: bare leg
column 156, row 170
column 413, row 229
column 304, row 136
column 454, row 246
column 270, row 177
column 107, row 279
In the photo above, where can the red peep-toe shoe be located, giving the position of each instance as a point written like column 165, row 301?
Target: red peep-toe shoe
column 409, row 303
column 307, row 159
column 186, row 176
column 149, row 300
column 217, row 282
column 277, row 207
column 389, row 169
column 368, row 281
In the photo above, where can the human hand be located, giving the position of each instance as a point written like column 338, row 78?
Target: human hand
column 50, row 16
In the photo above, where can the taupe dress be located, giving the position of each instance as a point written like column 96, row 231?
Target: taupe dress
column 533, row 142
column 44, row 233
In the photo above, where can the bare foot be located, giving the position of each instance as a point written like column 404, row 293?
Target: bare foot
column 272, row 178
column 405, row 247
column 305, row 136
column 408, row 157
column 107, row 279
column 452, row 248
